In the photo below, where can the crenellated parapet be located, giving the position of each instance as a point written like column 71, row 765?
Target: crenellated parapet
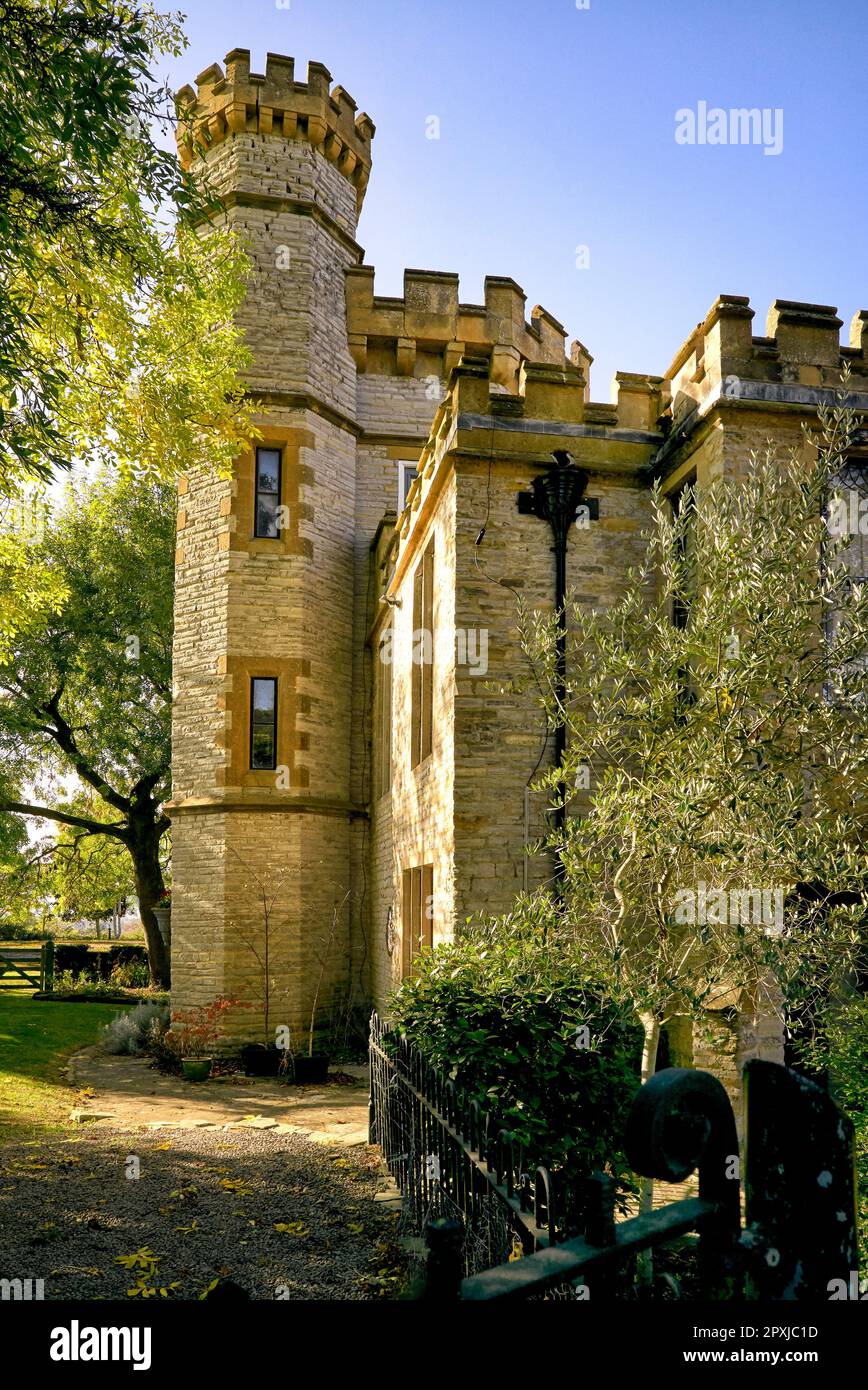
column 430, row 328
column 238, row 101
column 800, row 353
column 547, row 411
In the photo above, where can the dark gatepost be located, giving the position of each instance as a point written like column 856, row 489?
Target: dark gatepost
column 444, row 1267
column 800, row 1201
column 558, row 497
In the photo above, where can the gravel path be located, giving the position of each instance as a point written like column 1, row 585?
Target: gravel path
column 208, row 1204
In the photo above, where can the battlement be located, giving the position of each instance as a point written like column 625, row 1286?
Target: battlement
column 274, row 103
column 548, row 394
column 801, row 348
column 389, row 335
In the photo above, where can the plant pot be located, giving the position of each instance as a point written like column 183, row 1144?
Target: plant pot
column 196, row 1068
column 258, row 1060
column 306, row 1071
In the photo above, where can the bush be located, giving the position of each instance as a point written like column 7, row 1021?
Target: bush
column 83, row 982
column 99, row 963
column 132, row 1033
column 505, row 1013
column 130, row 974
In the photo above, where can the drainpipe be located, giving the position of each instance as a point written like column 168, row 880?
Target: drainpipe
column 556, row 497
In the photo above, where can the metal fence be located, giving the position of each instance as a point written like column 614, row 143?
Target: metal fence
column 495, row 1230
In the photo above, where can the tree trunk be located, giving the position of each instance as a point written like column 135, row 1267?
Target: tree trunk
column 144, row 848
column 651, row 1029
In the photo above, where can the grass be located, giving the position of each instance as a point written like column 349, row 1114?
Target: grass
column 36, row 1039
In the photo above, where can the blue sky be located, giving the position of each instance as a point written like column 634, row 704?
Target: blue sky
column 557, row 131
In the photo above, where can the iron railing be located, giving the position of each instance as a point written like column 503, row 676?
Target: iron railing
column 465, row 1185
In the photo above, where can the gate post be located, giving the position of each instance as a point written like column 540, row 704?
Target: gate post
column 800, row 1200
column 444, row 1266
column 46, row 983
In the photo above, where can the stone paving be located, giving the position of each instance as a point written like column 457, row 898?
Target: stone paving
column 125, row 1092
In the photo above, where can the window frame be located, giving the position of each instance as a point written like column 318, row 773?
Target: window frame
column 417, row 928
column 422, row 671
column 271, row 449
column 272, row 767
column 385, row 714
column 404, row 466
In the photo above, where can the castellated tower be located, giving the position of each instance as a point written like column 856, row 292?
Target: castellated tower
column 262, row 806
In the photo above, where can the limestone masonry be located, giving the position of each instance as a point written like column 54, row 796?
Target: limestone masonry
column 386, row 799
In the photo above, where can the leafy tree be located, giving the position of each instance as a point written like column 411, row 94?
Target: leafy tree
column 15, row 897
column 117, row 335
column 89, row 873
column 85, row 693
column 727, row 748
column 83, row 181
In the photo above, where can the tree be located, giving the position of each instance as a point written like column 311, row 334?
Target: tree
column 85, row 693
column 117, row 335
column 89, row 873
column 725, row 752
column 15, row 900
column 83, row 185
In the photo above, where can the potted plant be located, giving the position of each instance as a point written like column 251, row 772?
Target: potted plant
column 197, row 1036
column 313, row 1067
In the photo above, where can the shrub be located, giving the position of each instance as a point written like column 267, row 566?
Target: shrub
column 505, row 1013
column 83, row 982
column 130, row 974
column 131, row 1033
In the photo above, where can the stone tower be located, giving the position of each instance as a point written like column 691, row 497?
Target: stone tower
column 262, row 805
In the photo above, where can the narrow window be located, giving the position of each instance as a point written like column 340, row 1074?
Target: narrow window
column 267, row 494
column 406, row 476
column 263, row 723
column 422, row 693
column 384, row 724
column 417, row 892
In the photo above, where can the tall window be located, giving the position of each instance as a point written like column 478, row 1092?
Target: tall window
column 263, row 723
column 421, row 721
column 267, row 494
column 417, row 913
column 384, row 720
column 406, row 477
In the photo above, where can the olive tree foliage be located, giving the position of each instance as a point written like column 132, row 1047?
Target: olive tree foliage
column 722, row 755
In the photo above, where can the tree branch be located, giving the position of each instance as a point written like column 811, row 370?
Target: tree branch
column 95, row 827
column 64, row 738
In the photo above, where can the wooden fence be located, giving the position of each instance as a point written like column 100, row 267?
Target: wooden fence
column 33, row 964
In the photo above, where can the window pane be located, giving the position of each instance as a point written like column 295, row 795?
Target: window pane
column 263, row 723
column 267, row 470
column 406, row 476
column 267, row 493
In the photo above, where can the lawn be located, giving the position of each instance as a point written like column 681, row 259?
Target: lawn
column 36, row 1038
